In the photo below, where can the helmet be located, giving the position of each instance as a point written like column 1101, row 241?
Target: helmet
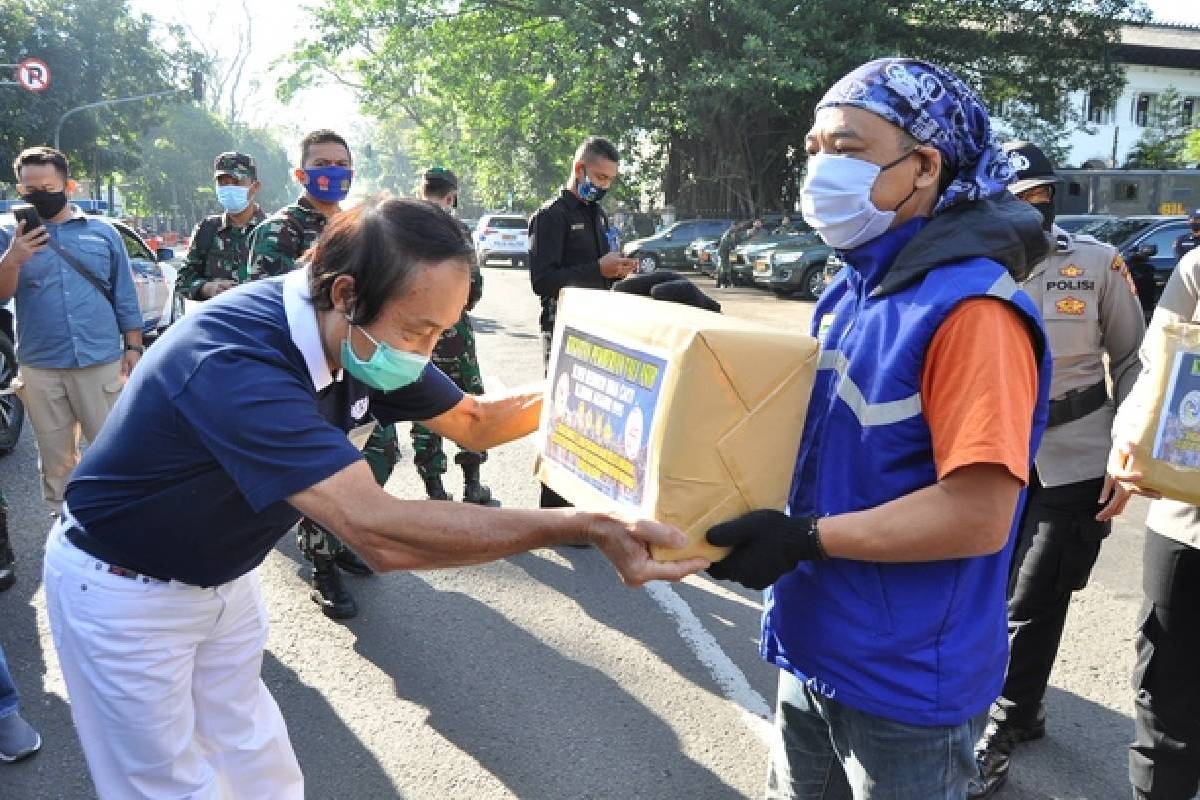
column 1031, row 166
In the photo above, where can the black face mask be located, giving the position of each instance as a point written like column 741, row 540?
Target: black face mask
column 48, row 204
column 1047, row 211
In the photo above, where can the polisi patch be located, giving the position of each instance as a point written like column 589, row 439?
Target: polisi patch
column 1070, row 286
column 1070, row 305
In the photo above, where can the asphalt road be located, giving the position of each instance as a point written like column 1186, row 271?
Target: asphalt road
column 541, row 676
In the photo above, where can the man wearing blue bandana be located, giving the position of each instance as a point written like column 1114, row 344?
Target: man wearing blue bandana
column 886, row 575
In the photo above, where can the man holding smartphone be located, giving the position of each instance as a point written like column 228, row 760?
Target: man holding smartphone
column 78, row 322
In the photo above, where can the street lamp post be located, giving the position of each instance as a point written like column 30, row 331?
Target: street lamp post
column 197, row 92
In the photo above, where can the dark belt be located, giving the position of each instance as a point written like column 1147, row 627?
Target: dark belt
column 78, row 538
column 1077, row 404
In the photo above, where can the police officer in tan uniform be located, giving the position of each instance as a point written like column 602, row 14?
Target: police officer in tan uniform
column 1091, row 309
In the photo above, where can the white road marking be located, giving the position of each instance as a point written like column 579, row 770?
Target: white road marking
column 756, row 712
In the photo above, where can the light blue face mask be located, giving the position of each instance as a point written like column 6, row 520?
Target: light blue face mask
column 387, row 369
column 233, row 198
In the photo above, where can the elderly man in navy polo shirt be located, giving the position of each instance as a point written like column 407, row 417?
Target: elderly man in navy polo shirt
column 234, row 426
column 69, row 334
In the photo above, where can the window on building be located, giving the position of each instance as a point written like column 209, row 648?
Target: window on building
column 1191, row 111
column 1074, row 189
column 1096, row 110
column 1142, row 104
column 1125, row 190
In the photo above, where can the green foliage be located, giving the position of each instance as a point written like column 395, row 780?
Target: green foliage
column 1165, row 137
column 96, row 50
column 1191, row 149
column 710, row 99
column 1022, row 122
column 176, row 168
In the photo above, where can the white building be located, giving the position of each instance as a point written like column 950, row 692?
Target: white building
column 1156, row 58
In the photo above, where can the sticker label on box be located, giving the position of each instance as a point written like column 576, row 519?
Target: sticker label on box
column 602, row 406
column 1178, row 438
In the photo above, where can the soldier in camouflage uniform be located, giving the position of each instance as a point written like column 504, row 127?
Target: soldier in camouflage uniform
column 455, row 356
column 220, row 244
column 278, row 244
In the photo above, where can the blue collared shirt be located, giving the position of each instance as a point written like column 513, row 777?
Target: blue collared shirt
column 63, row 322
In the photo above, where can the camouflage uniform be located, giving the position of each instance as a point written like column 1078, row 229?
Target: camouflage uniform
column 225, row 259
column 280, row 240
column 277, row 244
column 454, row 355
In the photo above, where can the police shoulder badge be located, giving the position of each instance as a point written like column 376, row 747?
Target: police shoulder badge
column 1070, row 305
column 1071, row 271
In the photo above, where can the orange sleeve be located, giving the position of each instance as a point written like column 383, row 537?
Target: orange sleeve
column 979, row 388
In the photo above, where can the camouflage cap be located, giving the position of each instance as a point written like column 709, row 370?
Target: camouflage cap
column 239, row 165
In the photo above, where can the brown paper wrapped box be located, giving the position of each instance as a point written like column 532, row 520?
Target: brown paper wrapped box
column 662, row 411
column 1167, row 449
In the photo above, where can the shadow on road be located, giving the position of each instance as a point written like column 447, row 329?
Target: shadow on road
column 485, row 325
column 734, row 625
column 58, row 770
column 544, row 725
column 1083, row 757
column 334, row 761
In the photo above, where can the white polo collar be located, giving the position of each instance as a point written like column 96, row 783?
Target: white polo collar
column 302, row 324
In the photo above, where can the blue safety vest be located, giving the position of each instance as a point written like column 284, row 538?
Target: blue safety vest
column 922, row 643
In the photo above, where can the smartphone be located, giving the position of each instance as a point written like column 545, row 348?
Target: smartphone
column 28, row 215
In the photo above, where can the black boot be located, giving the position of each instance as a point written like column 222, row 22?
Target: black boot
column 993, row 754
column 8, row 575
column 349, row 561
column 328, row 591
column 474, row 491
column 435, row 490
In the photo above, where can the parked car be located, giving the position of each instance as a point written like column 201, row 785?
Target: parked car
column 667, row 250
column 502, row 237
column 743, row 257
column 1076, row 223
column 149, row 276
column 796, row 268
column 1147, row 243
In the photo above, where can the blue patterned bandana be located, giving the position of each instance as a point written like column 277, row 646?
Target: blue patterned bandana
column 937, row 109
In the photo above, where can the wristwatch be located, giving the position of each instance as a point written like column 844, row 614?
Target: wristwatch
column 137, row 348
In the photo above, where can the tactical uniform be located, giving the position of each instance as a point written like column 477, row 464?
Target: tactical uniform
column 276, row 245
column 455, row 355
column 225, row 257
column 280, row 239
column 1090, row 308
column 567, row 238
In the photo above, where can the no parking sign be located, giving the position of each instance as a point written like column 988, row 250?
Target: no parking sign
column 33, row 74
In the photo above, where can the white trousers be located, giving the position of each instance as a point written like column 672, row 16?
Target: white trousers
column 165, row 683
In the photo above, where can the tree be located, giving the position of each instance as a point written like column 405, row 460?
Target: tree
column 1191, row 150
column 710, row 98
column 96, row 50
column 1165, row 136
column 175, row 177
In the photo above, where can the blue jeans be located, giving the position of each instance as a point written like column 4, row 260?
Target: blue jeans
column 8, row 689
column 830, row 751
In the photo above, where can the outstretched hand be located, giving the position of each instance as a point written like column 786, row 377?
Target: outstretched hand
column 627, row 546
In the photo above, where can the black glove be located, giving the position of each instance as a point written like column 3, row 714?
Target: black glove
column 669, row 286
column 767, row 544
